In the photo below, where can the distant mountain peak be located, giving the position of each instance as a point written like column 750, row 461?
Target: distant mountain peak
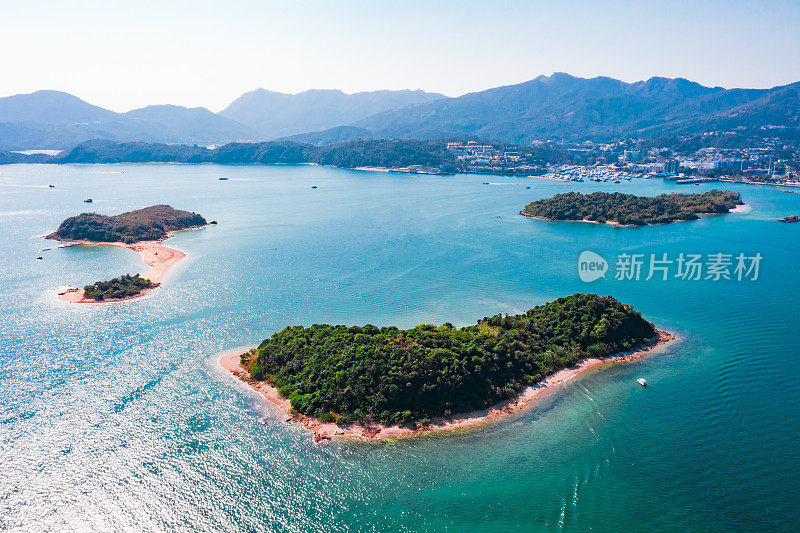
column 50, row 119
column 50, row 107
column 275, row 114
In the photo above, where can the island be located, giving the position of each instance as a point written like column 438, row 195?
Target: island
column 149, row 224
column 120, row 288
column 630, row 210
column 141, row 231
column 371, row 382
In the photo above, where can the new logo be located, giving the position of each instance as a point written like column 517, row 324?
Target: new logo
column 591, row 266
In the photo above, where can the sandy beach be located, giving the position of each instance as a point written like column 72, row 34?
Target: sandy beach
column 325, row 431
column 583, row 221
column 158, row 257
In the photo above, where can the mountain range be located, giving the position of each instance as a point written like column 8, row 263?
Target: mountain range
column 275, row 115
column 565, row 107
column 548, row 107
column 58, row 120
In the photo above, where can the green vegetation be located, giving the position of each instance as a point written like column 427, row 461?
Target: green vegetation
column 385, row 153
column 389, row 375
column 122, row 287
column 628, row 209
column 148, row 224
column 8, row 158
column 350, row 154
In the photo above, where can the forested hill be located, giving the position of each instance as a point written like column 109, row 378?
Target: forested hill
column 631, row 210
column 351, row 154
column 572, row 108
column 559, row 107
column 148, row 224
column 343, row 374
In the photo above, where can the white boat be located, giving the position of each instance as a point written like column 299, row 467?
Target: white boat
column 642, row 382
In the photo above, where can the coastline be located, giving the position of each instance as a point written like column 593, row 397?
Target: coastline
column 549, row 178
column 584, row 221
column 158, row 257
column 231, row 362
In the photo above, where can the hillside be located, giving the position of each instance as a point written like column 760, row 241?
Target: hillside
column 565, row 107
column 274, row 114
column 164, row 123
column 50, row 107
column 548, row 107
column 7, row 158
column 56, row 120
column 351, row 154
column 331, row 136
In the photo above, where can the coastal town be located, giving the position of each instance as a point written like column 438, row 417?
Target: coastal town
column 767, row 161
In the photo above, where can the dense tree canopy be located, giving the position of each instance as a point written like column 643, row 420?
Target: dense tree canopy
column 117, row 288
column 384, row 153
column 391, row 375
column 350, row 154
column 629, row 209
column 148, row 224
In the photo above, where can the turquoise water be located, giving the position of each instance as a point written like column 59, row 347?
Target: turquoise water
column 118, row 418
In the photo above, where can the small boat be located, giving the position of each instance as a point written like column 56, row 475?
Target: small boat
column 223, row 179
column 527, row 187
column 52, row 186
column 313, row 186
column 87, row 201
column 40, row 258
column 642, row 382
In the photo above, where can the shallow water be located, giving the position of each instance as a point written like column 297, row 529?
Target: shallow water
column 117, row 417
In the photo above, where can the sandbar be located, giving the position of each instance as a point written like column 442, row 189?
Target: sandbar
column 158, row 257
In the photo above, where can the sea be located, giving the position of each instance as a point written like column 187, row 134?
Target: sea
column 118, row 417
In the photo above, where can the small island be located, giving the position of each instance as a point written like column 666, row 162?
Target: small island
column 152, row 223
column 371, row 382
column 141, row 231
column 630, row 210
column 120, row 288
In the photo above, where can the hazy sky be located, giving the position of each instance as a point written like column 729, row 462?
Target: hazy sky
column 127, row 54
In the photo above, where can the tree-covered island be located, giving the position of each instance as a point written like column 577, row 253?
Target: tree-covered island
column 120, row 288
column 392, row 376
column 149, row 224
column 631, row 210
